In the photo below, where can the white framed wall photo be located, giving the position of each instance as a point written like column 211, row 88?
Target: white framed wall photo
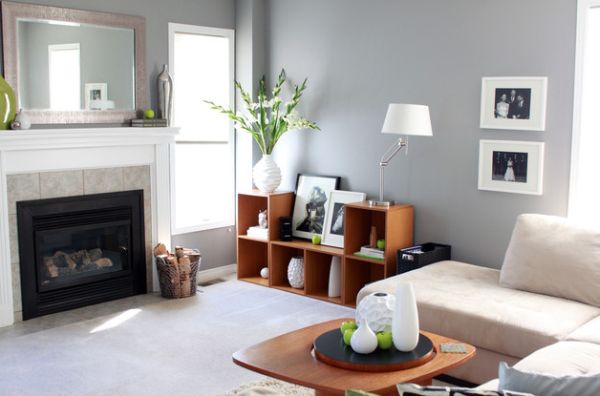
column 333, row 233
column 517, row 103
column 511, row 166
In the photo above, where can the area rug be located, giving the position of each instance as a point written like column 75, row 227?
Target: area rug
column 270, row 387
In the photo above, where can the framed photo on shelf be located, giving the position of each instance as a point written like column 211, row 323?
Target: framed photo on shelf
column 517, row 103
column 333, row 234
column 511, row 166
column 310, row 206
column 95, row 91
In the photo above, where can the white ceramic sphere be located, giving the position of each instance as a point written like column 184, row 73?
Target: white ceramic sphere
column 295, row 272
column 264, row 272
column 378, row 310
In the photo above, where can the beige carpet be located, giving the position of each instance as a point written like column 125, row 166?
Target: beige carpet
column 270, row 387
column 150, row 346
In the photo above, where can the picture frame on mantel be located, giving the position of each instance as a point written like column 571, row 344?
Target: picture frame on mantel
column 333, row 232
column 511, row 166
column 310, row 204
column 516, row 103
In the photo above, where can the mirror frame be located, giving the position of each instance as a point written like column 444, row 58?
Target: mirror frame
column 11, row 12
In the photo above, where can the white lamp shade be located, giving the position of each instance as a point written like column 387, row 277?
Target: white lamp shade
column 407, row 119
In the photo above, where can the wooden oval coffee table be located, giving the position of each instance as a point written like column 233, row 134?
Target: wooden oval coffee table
column 289, row 358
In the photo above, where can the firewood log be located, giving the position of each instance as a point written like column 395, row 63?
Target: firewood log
column 184, row 275
column 160, row 250
column 51, row 267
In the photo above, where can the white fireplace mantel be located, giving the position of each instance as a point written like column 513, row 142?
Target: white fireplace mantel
column 44, row 150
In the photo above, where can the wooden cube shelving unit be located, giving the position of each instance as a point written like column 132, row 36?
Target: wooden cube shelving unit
column 394, row 224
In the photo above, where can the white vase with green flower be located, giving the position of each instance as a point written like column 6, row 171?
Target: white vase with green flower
column 267, row 120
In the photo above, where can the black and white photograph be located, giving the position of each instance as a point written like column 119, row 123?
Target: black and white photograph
column 310, row 206
column 95, row 92
column 334, row 223
column 517, row 103
column 511, row 166
column 512, row 103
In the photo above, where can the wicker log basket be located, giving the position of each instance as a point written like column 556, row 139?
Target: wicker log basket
column 177, row 272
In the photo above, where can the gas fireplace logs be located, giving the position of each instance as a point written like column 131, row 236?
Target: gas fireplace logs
column 177, row 272
column 63, row 264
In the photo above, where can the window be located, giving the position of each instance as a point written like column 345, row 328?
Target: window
column 203, row 181
column 64, row 76
column 585, row 163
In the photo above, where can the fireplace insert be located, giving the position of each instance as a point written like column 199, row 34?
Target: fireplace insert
column 82, row 250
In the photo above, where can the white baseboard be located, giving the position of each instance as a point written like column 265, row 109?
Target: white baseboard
column 216, row 273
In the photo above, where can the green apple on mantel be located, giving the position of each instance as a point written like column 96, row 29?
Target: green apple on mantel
column 384, row 340
column 381, row 244
column 316, row 239
column 149, row 114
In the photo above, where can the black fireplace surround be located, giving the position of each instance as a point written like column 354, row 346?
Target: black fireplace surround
column 82, row 250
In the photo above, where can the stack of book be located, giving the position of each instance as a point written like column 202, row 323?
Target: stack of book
column 257, row 232
column 370, row 252
column 148, row 122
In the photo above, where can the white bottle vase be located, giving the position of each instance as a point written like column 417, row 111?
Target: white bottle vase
column 335, row 275
column 363, row 340
column 405, row 321
column 266, row 174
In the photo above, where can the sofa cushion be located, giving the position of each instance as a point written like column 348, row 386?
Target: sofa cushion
column 465, row 302
column 513, row 379
column 589, row 332
column 551, row 255
column 564, row 358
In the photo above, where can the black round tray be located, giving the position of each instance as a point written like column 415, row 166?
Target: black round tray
column 329, row 348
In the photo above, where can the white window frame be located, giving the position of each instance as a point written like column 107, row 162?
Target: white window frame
column 63, row 47
column 206, row 31
column 583, row 7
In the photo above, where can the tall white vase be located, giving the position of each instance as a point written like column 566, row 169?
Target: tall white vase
column 405, row 322
column 266, row 174
column 335, row 275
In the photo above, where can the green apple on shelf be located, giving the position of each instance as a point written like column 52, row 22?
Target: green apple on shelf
column 381, row 244
column 316, row 239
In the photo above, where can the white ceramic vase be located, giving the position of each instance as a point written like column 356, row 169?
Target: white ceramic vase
column 363, row 340
column 378, row 310
column 22, row 120
column 264, row 272
column 266, row 174
column 335, row 275
column 295, row 272
column 405, row 322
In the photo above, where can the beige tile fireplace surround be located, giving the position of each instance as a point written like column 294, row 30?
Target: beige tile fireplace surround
column 55, row 163
column 31, row 186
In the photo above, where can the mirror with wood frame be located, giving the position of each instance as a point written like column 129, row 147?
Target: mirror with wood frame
column 73, row 66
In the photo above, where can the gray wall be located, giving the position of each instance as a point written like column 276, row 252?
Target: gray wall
column 361, row 55
column 106, row 56
column 217, row 246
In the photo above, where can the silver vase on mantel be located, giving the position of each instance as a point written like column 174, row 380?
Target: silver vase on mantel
column 165, row 95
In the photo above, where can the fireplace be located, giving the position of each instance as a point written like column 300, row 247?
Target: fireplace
column 81, row 250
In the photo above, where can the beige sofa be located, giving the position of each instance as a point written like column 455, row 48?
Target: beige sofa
column 555, row 329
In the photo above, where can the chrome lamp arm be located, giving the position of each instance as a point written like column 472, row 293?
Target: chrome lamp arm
column 385, row 160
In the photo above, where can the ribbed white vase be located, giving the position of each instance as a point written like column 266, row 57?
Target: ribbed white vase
column 405, row 321
column 266, row 174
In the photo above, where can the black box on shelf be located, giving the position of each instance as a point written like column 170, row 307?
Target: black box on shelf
column 419, row 256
